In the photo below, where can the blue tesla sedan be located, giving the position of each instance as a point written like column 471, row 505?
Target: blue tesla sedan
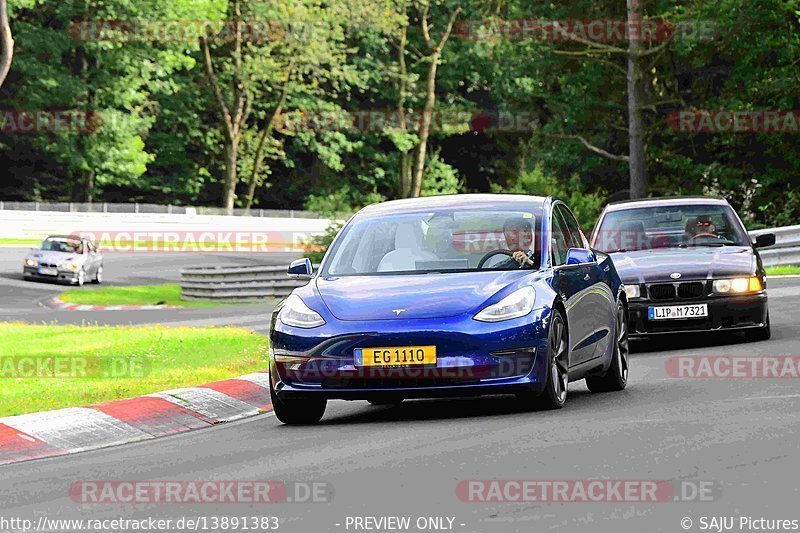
column 450, row 296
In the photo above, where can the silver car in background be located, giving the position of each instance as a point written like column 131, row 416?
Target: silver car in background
column 65, row 259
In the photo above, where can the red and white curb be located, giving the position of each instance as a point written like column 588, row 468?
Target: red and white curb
column 57, row 303
column 78, row 429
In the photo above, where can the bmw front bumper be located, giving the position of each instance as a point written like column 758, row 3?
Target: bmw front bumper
column 724, row 313
column 63, row 276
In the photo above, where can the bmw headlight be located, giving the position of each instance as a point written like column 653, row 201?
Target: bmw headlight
column 737, row 285
column 518, row 303
column 296, row 313
column 31, row 262
column 68, row 265
column 633, row 291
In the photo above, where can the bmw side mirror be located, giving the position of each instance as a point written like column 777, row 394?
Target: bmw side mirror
column 765, row 240
column 579, row 256
column 301, row 269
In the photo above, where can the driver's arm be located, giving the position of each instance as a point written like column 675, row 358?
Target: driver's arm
column 523, row 259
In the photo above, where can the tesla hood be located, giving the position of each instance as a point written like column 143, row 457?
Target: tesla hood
column 387, row 297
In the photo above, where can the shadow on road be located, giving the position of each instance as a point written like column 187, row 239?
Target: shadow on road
column 579, row 402
column 685, row 341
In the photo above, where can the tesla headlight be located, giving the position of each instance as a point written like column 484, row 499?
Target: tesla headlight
column 31, row 262
column 296, row 313
column 633, row 291
column 737, row 285
column 518, row 303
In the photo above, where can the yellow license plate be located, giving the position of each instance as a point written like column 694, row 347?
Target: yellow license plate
column 396, row 356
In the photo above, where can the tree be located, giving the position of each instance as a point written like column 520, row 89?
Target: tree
column 6, row 42
column 434, row 48
column 636, row 161
column 233, row 115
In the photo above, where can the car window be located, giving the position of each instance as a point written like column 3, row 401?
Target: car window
column 670, row 226
column 558, row 239
column 574, row 237
column 443, row 240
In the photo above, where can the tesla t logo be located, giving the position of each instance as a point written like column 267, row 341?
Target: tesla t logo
column 398, row 311
column 676, row 275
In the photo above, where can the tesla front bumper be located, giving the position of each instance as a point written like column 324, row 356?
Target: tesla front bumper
column 473, row 358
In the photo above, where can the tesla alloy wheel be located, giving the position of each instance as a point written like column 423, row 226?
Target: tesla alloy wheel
column 616, row 378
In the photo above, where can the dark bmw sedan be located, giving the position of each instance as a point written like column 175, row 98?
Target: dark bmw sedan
column 688, row 264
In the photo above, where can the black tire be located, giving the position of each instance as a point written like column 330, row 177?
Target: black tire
column 386, row 401
column 554, row 394
column 616, row 377
column 759, row 334
column 297, row 412
column 98, row 276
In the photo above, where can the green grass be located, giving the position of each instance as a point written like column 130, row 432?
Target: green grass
column 161, row 358
column 785, row 270
column 168, row 294
column 21, row 242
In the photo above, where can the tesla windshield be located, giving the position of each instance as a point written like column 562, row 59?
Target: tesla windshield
column 669, row 227
column 441, row 241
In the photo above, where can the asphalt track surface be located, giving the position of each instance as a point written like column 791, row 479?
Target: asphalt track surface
column 740, row 435
column 20, row 300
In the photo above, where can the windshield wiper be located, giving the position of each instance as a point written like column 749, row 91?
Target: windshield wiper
column 620, row 251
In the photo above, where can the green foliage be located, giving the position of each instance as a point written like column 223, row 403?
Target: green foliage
column 585, row 205
column 161, row 140
column 321, row 243
column 440, row 178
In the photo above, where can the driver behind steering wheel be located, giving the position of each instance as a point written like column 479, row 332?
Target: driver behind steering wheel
column 519, row 238
column 701, row 227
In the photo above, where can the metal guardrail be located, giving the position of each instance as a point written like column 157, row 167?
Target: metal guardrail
column 105, row 207
column 257, row 283
column 787, row 246
column 237, row 284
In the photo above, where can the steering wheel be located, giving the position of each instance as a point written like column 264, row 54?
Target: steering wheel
column 707, row 235
column 493, row 253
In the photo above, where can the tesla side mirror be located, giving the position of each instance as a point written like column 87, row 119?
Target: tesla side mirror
column 579, row 256
column 765, row 240
column 301, row 269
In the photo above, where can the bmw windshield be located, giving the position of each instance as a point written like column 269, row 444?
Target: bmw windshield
column 674, row 226
column 460, row 240
column 61, row 245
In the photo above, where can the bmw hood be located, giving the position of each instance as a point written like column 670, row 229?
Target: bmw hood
column 55, row 257
column 653, row 266
column 385, row 297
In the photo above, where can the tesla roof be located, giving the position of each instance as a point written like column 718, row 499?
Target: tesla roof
column 455, row 201
column 666, row 201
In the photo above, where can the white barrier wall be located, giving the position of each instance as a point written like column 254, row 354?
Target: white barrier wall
column 277, row 234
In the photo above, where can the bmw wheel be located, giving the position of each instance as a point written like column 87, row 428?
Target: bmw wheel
column 98, row 276
column 616, row 377
column 81, row 277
